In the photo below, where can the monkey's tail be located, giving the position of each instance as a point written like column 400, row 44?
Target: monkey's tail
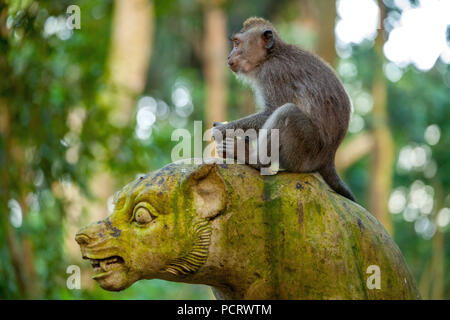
column 331, row 177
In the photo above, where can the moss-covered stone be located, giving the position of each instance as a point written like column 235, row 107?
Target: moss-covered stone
column 287, row 236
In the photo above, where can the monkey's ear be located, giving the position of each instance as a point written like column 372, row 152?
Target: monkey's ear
column 209, row 190
column 267, row 37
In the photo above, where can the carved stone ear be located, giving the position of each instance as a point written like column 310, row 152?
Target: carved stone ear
column 267, row 37
column 209, row 191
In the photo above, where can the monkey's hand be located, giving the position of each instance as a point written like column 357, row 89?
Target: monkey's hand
column 219, row 128
column 217, row 123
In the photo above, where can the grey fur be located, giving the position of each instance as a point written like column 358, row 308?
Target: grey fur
column 303, row 98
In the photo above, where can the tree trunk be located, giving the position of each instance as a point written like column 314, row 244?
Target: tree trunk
column 326, row 36
column 353, row 150
column 319, row 16
column 132, row 37
column 383, row 151
column 214, row 63
column 33, row 285
column 432, row 281
column 16, row 259
column 438, row 266
column 20, row 248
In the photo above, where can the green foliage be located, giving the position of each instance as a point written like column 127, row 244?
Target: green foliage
column 46, row 81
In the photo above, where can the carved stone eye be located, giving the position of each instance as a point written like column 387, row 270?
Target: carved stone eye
column 142, row 216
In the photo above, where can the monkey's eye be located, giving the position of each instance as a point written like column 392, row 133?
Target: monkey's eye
column 144, row 213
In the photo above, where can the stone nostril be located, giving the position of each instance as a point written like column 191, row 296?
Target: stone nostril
column 82, row 239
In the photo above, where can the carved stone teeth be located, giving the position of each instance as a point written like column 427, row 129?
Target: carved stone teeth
column 95, row 263
column 104, row 264
column 112, row 260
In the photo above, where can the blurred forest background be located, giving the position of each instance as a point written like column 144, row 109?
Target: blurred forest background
column 84, row 111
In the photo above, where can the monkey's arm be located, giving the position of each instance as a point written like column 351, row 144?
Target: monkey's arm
column 254, row 121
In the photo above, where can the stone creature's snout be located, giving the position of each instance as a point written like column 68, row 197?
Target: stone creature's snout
column 90, row 234
column 95, row 234
column 98, row 244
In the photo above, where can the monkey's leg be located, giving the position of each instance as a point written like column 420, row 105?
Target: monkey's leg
column 299, row 143
column 301, row 148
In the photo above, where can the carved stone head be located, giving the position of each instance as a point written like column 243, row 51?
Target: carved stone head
column 160, row 227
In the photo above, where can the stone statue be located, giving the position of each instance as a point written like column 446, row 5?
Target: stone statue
column 287, row 236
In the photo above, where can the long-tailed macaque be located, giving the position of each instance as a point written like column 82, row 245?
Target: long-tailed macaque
column 301, row 96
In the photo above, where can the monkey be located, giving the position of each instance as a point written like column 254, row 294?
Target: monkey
column 300, row 95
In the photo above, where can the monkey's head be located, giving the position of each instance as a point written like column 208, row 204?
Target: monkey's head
column 252, row 45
